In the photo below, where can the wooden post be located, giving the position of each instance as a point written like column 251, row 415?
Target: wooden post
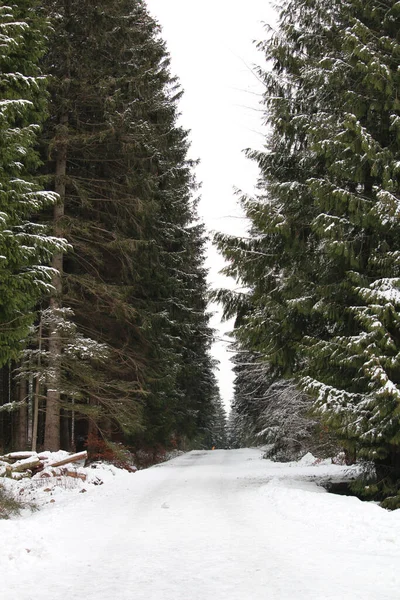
column 37, row 390
column 22, row 435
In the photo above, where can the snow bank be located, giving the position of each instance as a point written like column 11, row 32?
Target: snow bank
column 60, row 484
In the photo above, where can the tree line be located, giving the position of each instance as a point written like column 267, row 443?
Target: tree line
column 320, row 266
column 104, row 330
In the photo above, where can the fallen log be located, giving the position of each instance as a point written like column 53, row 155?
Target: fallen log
column 69, row 459
column 17, row 476
column 75, row 474
column 12, row 457
column 62, row 472
column 20, row 455
column 24, row 465
column 4, row 459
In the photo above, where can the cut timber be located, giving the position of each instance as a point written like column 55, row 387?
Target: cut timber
column 75, row 475
column 69, row 459
column 20, row 455
column 14, row 456
column 23, row 465
column 17, row 476
column 63, row 472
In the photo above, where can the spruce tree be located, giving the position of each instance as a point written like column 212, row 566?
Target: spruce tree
column 195, row 381
column 26, row 248
column 252, row 381
column 134, row 280
column 358, row 227
column 321, row 261
column 218, row 426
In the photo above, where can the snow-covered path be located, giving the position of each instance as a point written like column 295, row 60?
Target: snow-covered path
column 220, row 525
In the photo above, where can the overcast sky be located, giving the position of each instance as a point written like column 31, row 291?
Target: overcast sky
column 212, row 53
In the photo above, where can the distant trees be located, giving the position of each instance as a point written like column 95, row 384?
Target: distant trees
column 321, row 262
column 252, row 380
column 121, row 343
column 274, row 413
column 215, row 427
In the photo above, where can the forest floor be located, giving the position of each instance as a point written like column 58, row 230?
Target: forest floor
column 208, row 525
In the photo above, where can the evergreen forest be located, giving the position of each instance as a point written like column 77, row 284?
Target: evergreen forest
column 104, row 330
column 317, row 306
column 105, row 335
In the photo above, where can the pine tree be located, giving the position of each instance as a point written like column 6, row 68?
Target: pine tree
column 251, row 381
column 195, row 381
column 358, row 226
column 75, row 365
column 274, row 412
column 219, row 431
column 134, row 280
column 321, row 262
column 26, row 247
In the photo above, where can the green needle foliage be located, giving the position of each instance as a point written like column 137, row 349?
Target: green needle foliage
column 321, row 262
column 25, row 246
column 134, row 279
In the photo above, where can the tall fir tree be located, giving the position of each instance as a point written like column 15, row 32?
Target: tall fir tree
column 358, row 227
column 134, row 279
column 321, row 262
column 26, row 248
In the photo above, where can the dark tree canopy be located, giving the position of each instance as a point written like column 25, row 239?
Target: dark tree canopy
column 124, row 335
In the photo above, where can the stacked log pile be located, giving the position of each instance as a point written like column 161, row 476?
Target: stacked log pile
column 18, row 465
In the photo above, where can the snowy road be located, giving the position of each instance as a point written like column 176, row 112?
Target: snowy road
column 220, row 525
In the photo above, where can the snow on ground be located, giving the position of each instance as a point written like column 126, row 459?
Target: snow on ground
column 45, row 489
column 221, row 525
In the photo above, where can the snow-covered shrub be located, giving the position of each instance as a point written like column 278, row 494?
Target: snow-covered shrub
column 8, row 504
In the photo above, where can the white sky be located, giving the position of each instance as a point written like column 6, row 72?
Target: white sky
column 212, row 53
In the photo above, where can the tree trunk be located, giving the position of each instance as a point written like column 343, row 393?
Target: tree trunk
column 22, row 433
column 65, row 430
column 52, row 427
column 70, row 459
column 388, row 468
column 37, row 392
column 6, row 435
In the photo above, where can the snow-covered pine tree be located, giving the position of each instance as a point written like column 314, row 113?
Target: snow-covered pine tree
column 252, row 379
column 275, row 262
column 274, row 412
column 100, row 140
column 25, row 247
column 355, row 370
column 78, row 357
column 321, row 262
